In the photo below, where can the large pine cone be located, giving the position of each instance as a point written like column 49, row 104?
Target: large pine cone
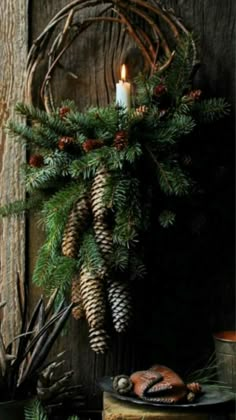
column 99, row 340
column 77, row 220
column 97, row 194
column 93, row 298
column 104, row 239
column 76, row 298
column 120, row 302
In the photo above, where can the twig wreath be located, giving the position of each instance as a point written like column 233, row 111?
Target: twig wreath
column 85, row 174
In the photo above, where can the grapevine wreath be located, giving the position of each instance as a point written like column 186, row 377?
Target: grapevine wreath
column 85, row 169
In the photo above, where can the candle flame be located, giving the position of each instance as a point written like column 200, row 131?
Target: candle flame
column 123, row 72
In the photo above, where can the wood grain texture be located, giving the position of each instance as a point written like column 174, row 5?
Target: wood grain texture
column 95, row 58
column 213, row 23
column 13, row 39
column 121, row 410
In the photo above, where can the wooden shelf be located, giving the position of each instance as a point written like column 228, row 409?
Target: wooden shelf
column 120, row 410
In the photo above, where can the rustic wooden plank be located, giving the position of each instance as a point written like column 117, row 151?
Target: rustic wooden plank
column 121, row 410
column 13, row 39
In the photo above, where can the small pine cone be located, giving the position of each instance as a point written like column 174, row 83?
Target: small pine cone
column 160, row 89
column 76, row 298
column 194, row 387
column 36, row 161
column 63, row 111
column 77, row 220
column 122, row 384
column 195, row 94
column 120, row 302
column 93, row 298
column 104, row 239
column 97, row 193
column 91, row 144
column 121, row 139
column 99, row 340
column 65, row 143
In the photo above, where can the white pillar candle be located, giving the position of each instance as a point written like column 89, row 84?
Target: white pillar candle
column 123, row 97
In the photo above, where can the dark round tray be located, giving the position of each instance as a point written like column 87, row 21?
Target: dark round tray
column 211, row 395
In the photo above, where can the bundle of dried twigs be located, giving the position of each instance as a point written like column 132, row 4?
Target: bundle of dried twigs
column 159, row 40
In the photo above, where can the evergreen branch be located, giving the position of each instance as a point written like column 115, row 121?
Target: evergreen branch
column 20, row 206
column 179, row 72
column 62, row 271
column 90, row 254
column 52, row 121
column 144, row 89
column 120, row 257
column 56, row 165
column 136, row 266
column 24, row 132
column 87, row 165
column 34, row 411
column 55, row 213
column 128, row 216
column 43, row 267
column 172, row 179
column 211, row 109
column 167, row 218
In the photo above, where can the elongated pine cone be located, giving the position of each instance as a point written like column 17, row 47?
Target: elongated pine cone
column 99, row 340
column 104, row 239
column 77, row 220
column 97, row 194
column 76, row 298
column 120, row 302
column 93, row 295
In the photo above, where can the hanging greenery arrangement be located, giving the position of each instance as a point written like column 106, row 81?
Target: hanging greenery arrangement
column 85, row 175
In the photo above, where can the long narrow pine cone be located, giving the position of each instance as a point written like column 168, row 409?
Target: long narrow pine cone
column 93, row 295
column 76, row 298
column 103, row 238
column 120, row 302
column 77, row 220
column 99, row 340
column 97, row 194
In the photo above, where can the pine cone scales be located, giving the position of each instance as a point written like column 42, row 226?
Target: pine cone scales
column 93, row 298
column 119, row 299
column 97, row 193
column 76, row 298
column 99, row 340
column 75, row 224
column 104, row 238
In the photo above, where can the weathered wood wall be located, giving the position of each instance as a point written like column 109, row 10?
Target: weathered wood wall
column 14, row 45
column 189, row 292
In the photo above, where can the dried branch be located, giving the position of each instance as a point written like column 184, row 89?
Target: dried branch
column 150, row 45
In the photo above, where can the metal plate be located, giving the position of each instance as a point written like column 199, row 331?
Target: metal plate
column 211, row 396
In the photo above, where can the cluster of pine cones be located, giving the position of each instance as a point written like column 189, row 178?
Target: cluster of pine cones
column 93, row 293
